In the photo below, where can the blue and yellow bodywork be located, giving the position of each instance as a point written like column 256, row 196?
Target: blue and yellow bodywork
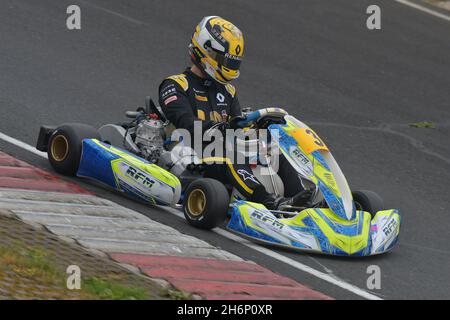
column 318, row 230
column 339, row 229
column 128, row 173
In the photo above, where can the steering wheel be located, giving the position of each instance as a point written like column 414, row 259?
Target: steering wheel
column 261, row 116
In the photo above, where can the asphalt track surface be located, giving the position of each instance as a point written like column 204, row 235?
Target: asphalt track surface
column 358, row 89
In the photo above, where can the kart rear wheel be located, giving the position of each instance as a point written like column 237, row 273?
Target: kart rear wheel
column 205, row 203
column 65, row 146
column 368, row 201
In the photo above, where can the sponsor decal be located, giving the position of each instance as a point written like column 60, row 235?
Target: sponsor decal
column 224, row 116
column 134, row 180
column 330, row 181
column 230, row 56
column 220, row 97
column 300, row 157
column 136, row 175
column 390, row 227
column 199, row 91
column 170, row 99
column 304, row 164
column 281, row 232
column 387, row 227
column 168, row 91
column 267, row 219
column 139, row 177
column 247, row 175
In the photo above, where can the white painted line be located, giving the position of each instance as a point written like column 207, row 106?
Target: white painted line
column 424, row 9
column 300, row 266
column 49, row 218
column 22, row 145
column 58, row 204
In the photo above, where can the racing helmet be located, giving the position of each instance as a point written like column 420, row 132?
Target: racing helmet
column 217, row 47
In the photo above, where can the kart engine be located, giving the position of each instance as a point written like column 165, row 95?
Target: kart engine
column 150, row 139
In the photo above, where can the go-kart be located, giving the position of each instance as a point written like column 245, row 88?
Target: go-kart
column 140, row 159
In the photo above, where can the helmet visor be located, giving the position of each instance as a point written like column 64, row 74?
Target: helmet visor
column 227, row 60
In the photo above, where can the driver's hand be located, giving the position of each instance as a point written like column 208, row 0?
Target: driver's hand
column 234, row 121
column 222, row 127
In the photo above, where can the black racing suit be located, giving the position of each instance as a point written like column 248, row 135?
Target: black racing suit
column 186, row 98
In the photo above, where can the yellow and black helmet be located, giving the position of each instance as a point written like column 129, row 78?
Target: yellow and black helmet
column 217, row 46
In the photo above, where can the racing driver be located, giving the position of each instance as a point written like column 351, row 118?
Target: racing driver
column 203, row 92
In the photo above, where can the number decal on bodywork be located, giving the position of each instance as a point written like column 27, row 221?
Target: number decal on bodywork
column 308, row 140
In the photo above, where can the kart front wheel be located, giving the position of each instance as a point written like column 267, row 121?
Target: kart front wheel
column 65, row 146
column 368, row 201
column 205, row 203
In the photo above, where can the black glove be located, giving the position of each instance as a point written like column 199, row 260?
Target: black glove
column 234, row 121
column 222, row 127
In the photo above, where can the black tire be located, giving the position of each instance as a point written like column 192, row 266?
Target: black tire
column 65, row 146
column 205, row 203
column 368, row 201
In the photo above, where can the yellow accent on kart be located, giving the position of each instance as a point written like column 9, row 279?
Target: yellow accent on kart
column 157, row 172
column 308, row 140
column 348, row 244
column 243, row 209
column 196, row 202
column 327, row 177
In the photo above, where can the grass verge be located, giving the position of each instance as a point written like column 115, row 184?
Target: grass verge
column 40, row 270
